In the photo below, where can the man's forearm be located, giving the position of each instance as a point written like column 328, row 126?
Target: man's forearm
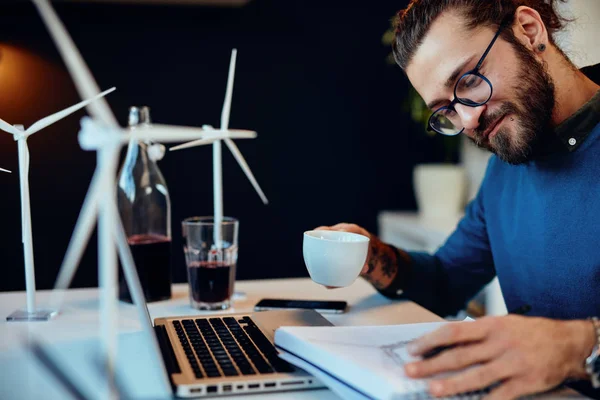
column 385, row 263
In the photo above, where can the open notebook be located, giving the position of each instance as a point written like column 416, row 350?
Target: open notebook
column 358, row 362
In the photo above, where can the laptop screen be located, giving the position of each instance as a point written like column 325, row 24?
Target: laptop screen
column 149, row 336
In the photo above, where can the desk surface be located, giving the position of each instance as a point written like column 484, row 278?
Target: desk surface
column 73, row 335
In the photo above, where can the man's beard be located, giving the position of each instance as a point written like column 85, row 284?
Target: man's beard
column 533, row 112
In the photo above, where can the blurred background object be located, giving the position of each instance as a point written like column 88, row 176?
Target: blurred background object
column 580, row 38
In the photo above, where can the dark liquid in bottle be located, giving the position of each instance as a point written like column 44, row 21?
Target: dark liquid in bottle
column 209, row 281
column 152, row 256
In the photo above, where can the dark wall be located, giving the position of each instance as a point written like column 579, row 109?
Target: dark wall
column 334, row 144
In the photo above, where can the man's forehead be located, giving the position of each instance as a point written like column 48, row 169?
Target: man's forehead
column 447, row 45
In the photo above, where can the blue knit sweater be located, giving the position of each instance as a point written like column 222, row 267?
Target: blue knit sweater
column 536, row 226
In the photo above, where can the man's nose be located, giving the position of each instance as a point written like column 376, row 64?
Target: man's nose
column 469, row 115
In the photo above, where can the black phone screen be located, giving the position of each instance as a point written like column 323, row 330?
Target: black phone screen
column 319, row 305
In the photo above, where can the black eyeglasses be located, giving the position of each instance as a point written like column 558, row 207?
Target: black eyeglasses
column 472, row 90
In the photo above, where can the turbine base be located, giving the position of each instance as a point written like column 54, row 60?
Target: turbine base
column 38, row 315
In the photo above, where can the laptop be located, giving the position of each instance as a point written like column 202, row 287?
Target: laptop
column 206, row 356
column 218, row 355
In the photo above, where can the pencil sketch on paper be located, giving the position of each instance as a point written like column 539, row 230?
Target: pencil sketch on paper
column 398, row 352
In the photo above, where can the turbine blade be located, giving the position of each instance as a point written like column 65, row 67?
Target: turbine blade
column 237, row 154
column 229, row 92
column 216, row 135
column 84, row 81
column 49, row 120
column 5, row 126
column 194, row 143
column 79, row 239
column 172, row 133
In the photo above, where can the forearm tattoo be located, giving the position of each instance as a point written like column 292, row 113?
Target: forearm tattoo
column 384, row 264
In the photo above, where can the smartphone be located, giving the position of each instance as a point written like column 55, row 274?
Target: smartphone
column 334, row 307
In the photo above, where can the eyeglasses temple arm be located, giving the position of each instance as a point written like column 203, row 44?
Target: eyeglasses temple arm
column 503, row 24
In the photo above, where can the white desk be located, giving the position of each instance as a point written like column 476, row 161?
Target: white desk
column 73, row 335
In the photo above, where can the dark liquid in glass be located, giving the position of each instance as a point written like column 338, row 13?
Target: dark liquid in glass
column 209, row 281
column 152, row 256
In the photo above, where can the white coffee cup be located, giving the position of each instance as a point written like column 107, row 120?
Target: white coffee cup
column 334, row 258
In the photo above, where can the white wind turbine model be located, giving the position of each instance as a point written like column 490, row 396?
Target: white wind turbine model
column 217, row 163
column 5, row 170
column 103, row 134
column 21, row 135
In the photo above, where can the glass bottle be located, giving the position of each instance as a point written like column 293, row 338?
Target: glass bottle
column 145, row 209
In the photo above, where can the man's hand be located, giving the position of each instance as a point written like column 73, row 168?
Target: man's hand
column 352, row 228
column 382, row 263
column 524, row 355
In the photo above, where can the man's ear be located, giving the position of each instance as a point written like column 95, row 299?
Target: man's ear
column 530, row 29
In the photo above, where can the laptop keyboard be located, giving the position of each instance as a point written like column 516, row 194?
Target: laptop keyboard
column 226, row 346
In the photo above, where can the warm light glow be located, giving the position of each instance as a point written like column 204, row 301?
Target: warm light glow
column 31, row 87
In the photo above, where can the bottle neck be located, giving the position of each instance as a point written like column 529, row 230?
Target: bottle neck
column 136, row 153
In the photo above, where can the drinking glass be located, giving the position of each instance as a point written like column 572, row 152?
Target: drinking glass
column 211, row 263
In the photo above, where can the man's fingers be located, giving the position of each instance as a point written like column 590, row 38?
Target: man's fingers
column 453, row 359
column 450, row 334
column 343, row 226
column 475, row 378
column 338, row 227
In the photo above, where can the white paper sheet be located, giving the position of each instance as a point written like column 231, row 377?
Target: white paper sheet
column 369, row 359
column 334, row 385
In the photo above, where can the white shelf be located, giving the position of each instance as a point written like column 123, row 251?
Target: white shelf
column 408, row 231
column 411, row 232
